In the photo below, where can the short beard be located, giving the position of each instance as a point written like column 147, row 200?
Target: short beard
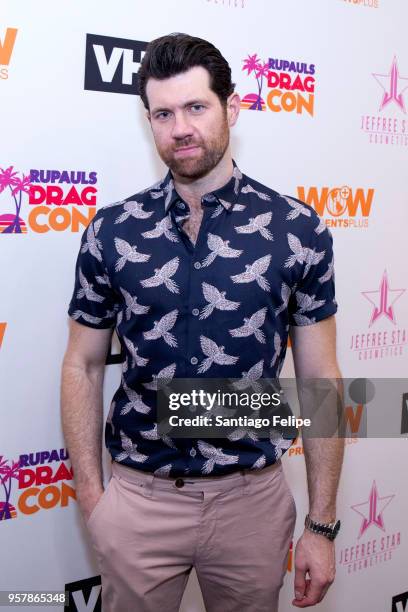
column 198, row 168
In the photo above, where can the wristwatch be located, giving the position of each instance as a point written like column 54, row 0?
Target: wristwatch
column 329, row 530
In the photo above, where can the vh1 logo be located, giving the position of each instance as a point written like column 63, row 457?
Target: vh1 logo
column 400, row 603
column 112, row 64
column 84, row 595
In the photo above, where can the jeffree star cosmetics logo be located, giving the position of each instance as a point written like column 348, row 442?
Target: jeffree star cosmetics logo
column 386, row 128
column 372, row 510
column 383, row 300
column 393, row 85
column 379, row 544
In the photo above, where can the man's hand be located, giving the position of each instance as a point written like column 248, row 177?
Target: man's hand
column 82, row 409
column 87, row 500
column 314, row 554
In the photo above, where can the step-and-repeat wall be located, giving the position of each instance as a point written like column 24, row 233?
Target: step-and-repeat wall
column 324, row 88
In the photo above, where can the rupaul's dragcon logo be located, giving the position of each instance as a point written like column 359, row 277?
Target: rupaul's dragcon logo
column 54, row 200
column 36, row 481
column 374, row 543
column 383, row 337
column 389, row 125
column 282, row 85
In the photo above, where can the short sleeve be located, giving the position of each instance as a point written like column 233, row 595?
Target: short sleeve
column 93, row 300
column 313, row 298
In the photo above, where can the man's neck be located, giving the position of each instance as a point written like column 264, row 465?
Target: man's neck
column 192, row 190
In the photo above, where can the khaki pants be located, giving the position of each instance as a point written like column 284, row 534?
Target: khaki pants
column 235, row 530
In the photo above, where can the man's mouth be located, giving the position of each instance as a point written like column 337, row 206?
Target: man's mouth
column 185, row 151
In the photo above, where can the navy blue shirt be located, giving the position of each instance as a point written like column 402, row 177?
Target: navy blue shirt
column 220, row 308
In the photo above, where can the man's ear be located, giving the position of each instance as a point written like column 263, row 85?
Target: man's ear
column 233, row 108
column 148, row 116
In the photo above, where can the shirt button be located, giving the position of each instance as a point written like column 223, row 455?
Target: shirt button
column 179, row 482
column 194, row 360
column 197, row 265
column 195, row 311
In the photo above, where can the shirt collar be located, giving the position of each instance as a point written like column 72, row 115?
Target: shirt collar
column 226, row 195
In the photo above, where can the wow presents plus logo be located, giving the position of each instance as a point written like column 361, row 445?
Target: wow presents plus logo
column 388, row 125
column 46, row 200
column 36, row 481
column 343, row 206
column 7, row 40
column 384, row 336
column 282, row 85
column 3, row 326
column 377, row 540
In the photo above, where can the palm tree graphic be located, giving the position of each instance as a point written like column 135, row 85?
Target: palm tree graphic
column 17, row 185
column 253, row 64
column 7, row 473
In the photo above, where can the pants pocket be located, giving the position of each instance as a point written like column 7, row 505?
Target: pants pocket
column 288, row 492
column 99, row 504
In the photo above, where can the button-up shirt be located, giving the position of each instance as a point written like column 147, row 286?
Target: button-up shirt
column 219, row 308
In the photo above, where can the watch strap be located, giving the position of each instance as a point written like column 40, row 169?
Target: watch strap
column 329, row 530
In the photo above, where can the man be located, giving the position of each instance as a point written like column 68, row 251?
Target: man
column 202, row 275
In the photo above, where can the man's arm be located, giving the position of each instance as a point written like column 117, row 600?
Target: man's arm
column 314, row 354
column 82, row 409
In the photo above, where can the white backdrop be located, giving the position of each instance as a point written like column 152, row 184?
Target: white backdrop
column 354, row 145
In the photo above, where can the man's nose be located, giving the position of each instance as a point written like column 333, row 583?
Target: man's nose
column 181, row 127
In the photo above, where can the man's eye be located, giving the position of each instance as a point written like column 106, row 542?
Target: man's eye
column 197, row 108
column 162, row 115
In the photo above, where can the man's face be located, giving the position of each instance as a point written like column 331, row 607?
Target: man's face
column 190, row 125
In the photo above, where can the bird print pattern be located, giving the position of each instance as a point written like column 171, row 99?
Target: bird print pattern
column 215, row 299
column 132, row 307
column 254, row 272
column 161, row 329
column 128, row 254
column 133, row 209
column 248, row 379
column 87, row 290
column 219, row 247
column 214, row 456
column 161, row 228
column 162, row 276
column 251, row 326
column 214, row 354
column 257, row 224
column 93, row 244
column 220, row 308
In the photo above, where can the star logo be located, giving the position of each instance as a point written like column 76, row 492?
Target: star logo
column 383, row 300
column 393, row 85
column 372, row 510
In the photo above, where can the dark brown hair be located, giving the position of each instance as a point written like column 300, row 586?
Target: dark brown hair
column 176, row 53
